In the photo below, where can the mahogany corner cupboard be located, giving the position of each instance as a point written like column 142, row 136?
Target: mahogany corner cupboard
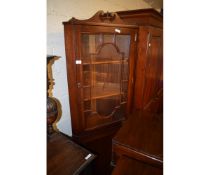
column 100, row 66
column 100, row 58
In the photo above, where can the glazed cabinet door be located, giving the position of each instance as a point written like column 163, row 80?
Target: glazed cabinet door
column 104, row 72
column 149, row 70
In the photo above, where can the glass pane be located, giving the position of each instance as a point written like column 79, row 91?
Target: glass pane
column 105, row 72
column 86, row 75
column 87, row 105
column 108, row 38
column 105, row 106
column 123, row 43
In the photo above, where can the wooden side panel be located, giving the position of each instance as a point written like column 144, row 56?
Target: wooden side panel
column 71, row 53
column 149, row 70
column 140, row 67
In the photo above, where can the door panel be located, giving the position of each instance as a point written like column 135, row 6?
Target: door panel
column 104, row 86
column 149, row 70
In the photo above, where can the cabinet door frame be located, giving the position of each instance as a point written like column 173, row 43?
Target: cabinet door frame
column 74, row 71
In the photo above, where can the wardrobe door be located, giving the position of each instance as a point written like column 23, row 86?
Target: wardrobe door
column 149, row 70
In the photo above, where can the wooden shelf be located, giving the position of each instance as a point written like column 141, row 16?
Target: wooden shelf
column 104, row 61
column 94, row 73
column 109, row 90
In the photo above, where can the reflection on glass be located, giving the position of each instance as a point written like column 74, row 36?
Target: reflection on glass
column 105, row 72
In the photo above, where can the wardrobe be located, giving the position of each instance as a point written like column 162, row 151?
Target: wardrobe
column 148, row 90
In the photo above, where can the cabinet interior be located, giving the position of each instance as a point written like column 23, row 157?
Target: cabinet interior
column 105, row 72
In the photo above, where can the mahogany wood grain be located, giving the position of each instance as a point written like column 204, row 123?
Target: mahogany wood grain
column 99, row 141
column 141, row 137
column 102, row 147
column 128, row 166
column 64, row 157
column 149, row 68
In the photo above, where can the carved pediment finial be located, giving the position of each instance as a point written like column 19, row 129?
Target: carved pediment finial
column 107, row 16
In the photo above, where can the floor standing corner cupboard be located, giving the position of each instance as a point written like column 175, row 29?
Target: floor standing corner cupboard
column 100, row 57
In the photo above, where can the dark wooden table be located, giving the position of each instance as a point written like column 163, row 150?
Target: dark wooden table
column 64, row 157
column 141, row 138
column 129, row 166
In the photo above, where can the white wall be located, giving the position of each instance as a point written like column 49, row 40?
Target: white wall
column 62, row 10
